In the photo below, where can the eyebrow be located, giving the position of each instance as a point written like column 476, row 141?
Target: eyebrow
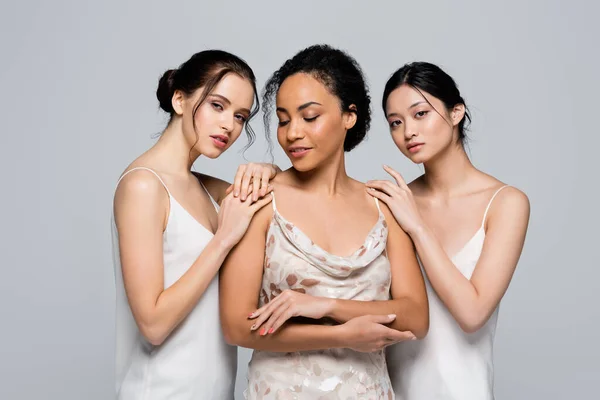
column 226, row 100
column 301, row 107
column 417, row 103
column 412, row 105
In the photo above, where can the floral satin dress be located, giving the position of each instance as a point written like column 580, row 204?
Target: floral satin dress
column 293, row 261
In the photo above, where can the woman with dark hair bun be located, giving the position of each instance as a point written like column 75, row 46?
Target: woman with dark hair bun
column 172, row 229
column 468, row 228
column 324, row 279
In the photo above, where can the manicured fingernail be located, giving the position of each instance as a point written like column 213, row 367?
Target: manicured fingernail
column 271, row 330
column 413, row 338
column 392, row 316
column 253, row 327
column 250, row 315
column 262, row 332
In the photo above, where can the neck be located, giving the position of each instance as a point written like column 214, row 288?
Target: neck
column 447, row 173
column 329, row 178
column 173, row 151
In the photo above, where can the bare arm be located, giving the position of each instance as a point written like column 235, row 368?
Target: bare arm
column 409, row 297
column 240, row 283
column 140, row 206
column 472, row 302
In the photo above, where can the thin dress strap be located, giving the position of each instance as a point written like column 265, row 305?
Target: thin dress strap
column 214, row 203
column 149, row 170
column 273, row 201
column 377, row 203
column 490, row 203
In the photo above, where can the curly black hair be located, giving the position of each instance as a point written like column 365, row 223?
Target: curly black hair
column 342, row 76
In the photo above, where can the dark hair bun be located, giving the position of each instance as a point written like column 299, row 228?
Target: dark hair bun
column 165, row 91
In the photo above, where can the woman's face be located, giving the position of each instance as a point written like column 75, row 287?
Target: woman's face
column 219, row 119
column 420, row 124
column 312, row 127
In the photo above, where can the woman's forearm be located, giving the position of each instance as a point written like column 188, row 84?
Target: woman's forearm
column 410, row 316
column 289, row 338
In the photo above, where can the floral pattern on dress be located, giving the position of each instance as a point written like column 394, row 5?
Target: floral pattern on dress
column 293, row 261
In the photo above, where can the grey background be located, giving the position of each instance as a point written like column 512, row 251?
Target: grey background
column 78, row 104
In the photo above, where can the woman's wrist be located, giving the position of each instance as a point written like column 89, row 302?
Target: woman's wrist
column 223, row 242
